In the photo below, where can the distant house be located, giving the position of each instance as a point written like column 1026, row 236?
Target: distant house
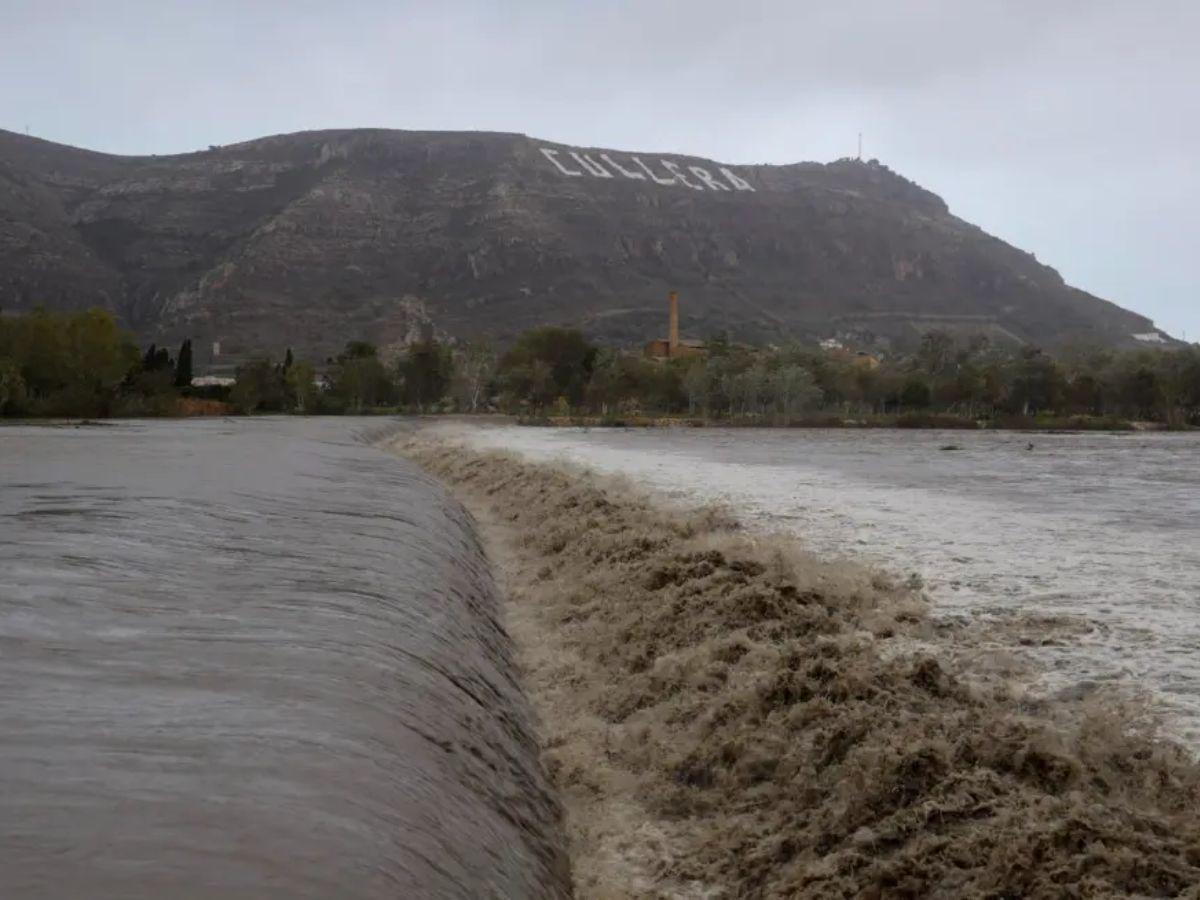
column 659, row 348
column 213, row 381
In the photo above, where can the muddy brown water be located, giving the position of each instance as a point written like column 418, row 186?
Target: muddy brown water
column 1085, row 545
column 254, row 659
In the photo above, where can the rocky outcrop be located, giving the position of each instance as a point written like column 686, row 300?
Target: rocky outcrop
column 312, row 239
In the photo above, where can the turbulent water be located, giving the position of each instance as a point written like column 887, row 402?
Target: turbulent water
column 253, row 659
column 1086, row 546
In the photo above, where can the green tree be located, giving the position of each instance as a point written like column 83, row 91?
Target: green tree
column 426, row 371
column 794, row 390
column 65, row 363
column 300, row 378
column 157, row 359
column 1084, row 393
column 695, row 384
column 259, row 387
column 183, row 365
column 915, row 393
column 473, row 374
column 1186, row 373
column 360, row 379
column 100, row 354
column 1139, row 388
column 547, row 363
column 630, row 383
column 749, row 390
column 661, row 386
column 936, row 353
column 531, row 383
column 721, row 370
column 44, row 355
column 608, row 383
column 357, row 350
column 12, row 387
column 1038, row 384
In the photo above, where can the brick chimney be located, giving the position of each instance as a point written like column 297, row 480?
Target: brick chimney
column 673, row 324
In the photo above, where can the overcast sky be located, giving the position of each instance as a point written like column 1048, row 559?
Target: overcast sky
column 1067, row 128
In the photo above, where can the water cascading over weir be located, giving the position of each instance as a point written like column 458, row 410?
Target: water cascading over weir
column 254, row 659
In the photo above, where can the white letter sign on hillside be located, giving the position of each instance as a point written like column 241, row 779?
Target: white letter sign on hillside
column 645, row 168
column 591, row 165
column 738, row 183
column 674, row 170
column 703, row 175
column 628, row 173
column 552, row 155
column 674, row 173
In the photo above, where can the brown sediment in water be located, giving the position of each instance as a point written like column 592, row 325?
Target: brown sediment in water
column 727, row 716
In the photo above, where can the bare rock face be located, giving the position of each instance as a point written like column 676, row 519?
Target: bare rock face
column 313, row 239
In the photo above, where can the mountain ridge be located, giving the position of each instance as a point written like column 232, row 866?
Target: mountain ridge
column 315, row 238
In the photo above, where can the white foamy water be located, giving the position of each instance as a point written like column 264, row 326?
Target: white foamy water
column 1100, row 528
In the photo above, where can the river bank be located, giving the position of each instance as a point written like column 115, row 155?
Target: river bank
column 204, row 408
column 725, row 714
column 906, row 421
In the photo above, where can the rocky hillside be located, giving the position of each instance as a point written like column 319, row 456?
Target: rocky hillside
column 312, row 239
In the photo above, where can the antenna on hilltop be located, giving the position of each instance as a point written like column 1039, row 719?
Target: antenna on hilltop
column 860, row 146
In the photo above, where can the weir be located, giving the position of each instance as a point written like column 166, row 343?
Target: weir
column 254, row 659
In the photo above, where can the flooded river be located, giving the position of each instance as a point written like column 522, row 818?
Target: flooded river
column 253, row 659
column 1084, row 549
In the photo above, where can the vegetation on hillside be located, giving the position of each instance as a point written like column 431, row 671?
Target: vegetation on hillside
column 839, row 236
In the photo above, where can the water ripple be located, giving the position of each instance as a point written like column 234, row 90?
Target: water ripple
column 258, row 660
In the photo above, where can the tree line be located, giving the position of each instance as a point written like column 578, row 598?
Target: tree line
column 359, row 380
column 969, row 379
column 557, row 371
column 83, row 364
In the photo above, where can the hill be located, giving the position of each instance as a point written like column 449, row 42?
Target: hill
column 312, row 239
